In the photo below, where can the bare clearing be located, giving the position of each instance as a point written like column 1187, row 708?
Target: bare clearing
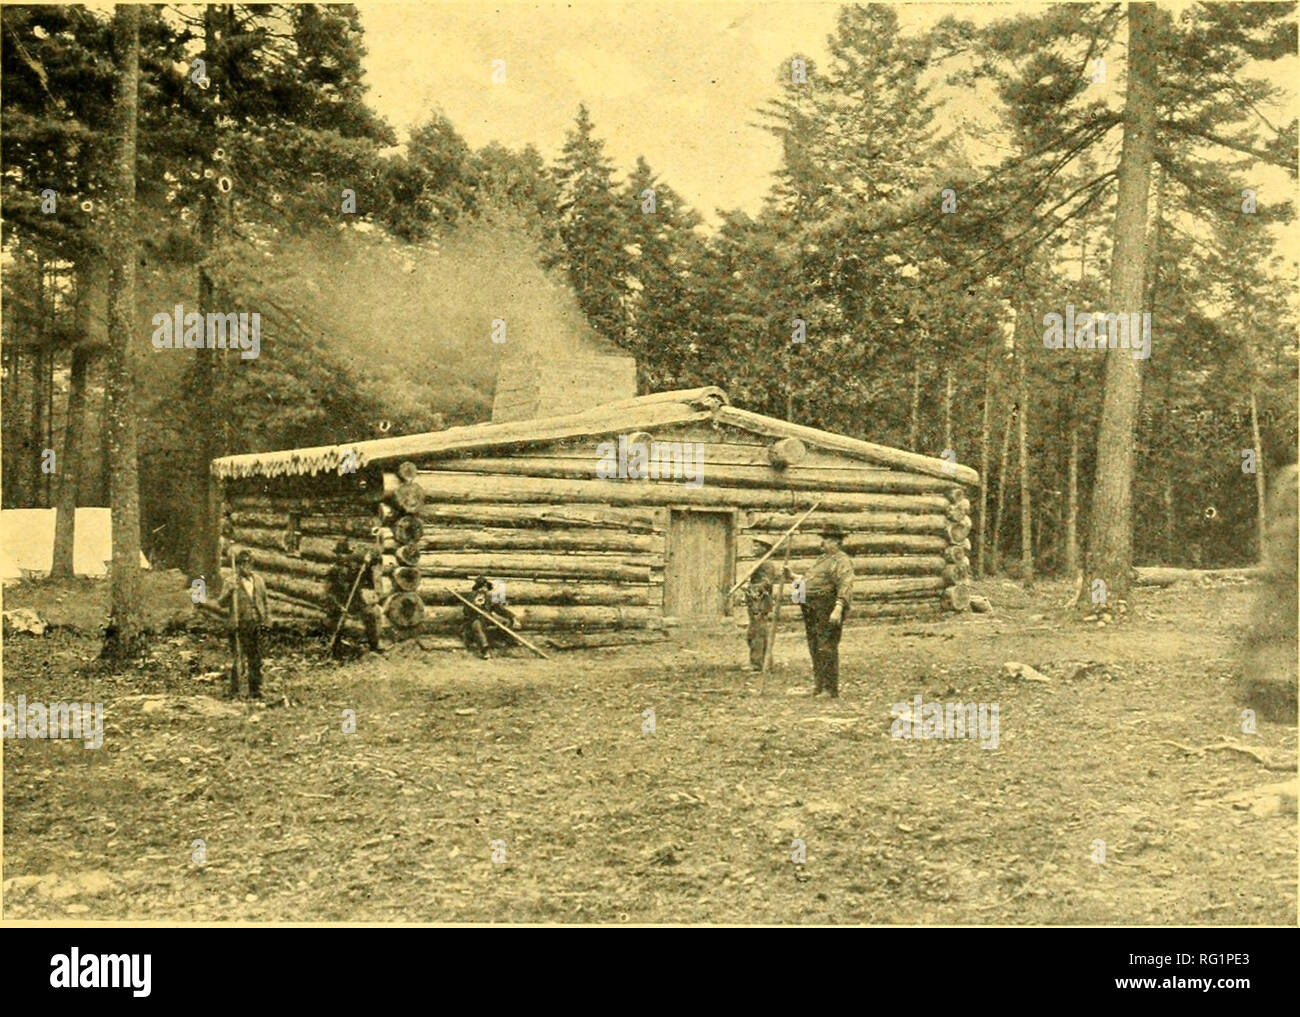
column 696, row 822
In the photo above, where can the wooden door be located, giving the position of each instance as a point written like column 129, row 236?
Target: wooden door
column 698, row 567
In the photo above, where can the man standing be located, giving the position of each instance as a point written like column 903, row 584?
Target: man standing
column 827, row 594
column 249, row 611
column 759, row 604
column 478, row 633
column 348, row 565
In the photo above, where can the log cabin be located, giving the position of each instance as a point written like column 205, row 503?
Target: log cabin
column 599, row 516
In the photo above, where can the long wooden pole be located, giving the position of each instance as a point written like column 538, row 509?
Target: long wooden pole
column 770, row 649
column 504, row 628
column 772, row 550
column 346, row 607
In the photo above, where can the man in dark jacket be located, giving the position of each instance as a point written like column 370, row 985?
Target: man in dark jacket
column 827, row 593
column 479, row 633
column 248, row 611
column 348, row 565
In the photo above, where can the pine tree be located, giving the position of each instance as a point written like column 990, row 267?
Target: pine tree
column 123, row 636
column 593, row 228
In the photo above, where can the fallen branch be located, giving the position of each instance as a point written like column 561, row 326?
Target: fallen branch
column 1226, row 746
column 1157, row 576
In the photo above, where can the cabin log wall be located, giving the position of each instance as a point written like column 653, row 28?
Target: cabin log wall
column 581, row 554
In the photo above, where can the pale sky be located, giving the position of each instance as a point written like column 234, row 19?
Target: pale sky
column 677, row 82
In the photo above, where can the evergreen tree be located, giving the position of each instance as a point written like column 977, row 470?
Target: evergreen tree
column 593, row 228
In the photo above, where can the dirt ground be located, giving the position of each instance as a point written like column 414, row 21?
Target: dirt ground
column 592, row 818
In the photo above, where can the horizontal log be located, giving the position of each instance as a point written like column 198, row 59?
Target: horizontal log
column 788, row 607
column 545, row 617
column 453, row 487
column 624, row 519
column 256, row 536
column 866, row 589
column 853, row 523
column 894, row 608
column 263, row 518
column 304, row 504
column 711, row 452
column 884, row 565
column 318, row 549
column 283, row 606
column 436, row 591
column 277, row 595
column 672, row 471
column 753, row 545
column 360, row 527
column 533, row 566
column 265, row 560
column 357, row 526
column 955, row 554
column 502, row 539
column 957, row 532
column 312, row 591
column 1163, row 576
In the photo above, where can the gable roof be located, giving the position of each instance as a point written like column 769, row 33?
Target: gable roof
column 642, row 413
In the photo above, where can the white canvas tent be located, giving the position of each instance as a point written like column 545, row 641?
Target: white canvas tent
column 27, row 542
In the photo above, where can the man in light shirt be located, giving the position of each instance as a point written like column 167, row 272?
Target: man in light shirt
column 248, row 611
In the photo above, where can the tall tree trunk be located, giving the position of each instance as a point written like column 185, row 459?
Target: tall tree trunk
column 1261, row 510
column 986, row 427
column 1072, row 509
column 125, row 625
column 105, row 449
column 36, row 449
column 202, row 529
column 70, row 464
column 47, row 384
column 1110, row 538
column 996, row 556
column 9, row 440
column 1022, row 427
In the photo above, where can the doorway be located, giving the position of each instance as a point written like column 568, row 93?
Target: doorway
column 700, row 560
